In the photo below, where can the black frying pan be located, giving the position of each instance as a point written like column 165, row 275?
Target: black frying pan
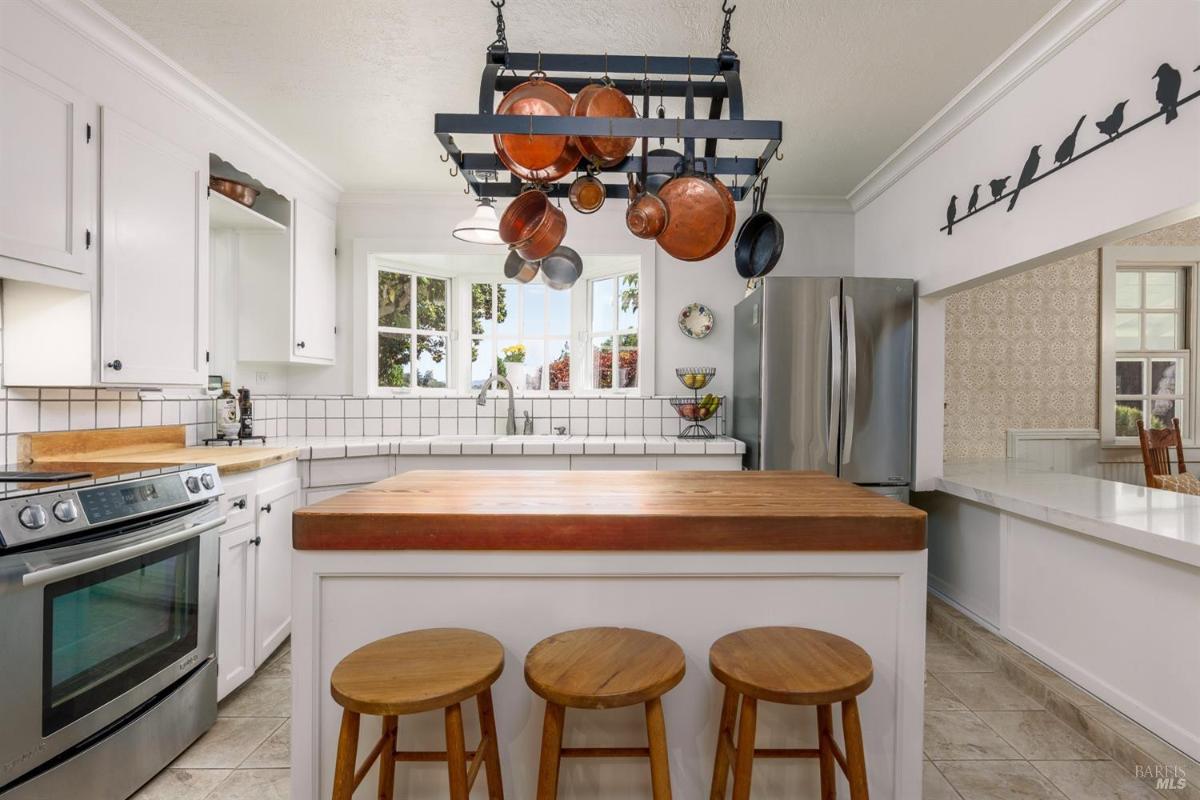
column 759, row 241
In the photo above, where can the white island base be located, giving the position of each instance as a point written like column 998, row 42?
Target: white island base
column 344, row 599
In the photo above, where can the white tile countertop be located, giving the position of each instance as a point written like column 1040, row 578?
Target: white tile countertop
column 1166, row 524
column 318, row 447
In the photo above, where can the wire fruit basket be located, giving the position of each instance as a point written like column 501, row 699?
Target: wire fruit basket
column 696, row 409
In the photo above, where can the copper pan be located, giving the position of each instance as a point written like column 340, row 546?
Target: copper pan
column 603, row 100
column 542, row 157
column 646, row 216
column 700, row 215
column 533, row 226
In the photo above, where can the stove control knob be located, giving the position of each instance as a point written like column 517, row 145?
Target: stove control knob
column 192, row 483
column 207, row 481
column 66, row 511
column 32, row 517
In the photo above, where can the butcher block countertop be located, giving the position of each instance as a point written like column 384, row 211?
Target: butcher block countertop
column 619, row 510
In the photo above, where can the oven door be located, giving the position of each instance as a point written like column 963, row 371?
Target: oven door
column 95, row 630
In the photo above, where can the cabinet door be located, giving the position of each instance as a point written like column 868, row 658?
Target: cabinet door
column 153, row 258
column 314, row 287
column 48, row 172
column 235, row 617
column 273, row 585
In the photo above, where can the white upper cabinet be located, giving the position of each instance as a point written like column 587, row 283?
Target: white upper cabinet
column 47, row 176
column 154, row 258
column 314, row 284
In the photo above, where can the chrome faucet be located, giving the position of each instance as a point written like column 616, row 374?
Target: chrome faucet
column 510, row 427
column 528, row 427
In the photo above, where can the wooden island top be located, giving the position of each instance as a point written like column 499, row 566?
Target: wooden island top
column 599, row 511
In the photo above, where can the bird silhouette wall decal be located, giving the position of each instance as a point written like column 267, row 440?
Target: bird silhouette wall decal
column 1027, row 173
column 1167, row 92
column 1110, row 126
column 997, row 186
column 1067, row 149
column 974, row 201
column 951, row 211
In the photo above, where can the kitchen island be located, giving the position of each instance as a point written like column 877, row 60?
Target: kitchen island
column 691, row 555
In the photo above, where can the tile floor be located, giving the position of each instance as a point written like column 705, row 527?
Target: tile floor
column 986, row 738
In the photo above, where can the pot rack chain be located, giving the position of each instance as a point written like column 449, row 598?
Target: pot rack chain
column 501, row 42
column 727, row 10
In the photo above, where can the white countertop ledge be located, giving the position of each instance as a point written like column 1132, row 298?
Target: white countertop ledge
column 1166, row 524
column 323, row 447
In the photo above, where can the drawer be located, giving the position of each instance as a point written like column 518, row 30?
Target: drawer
column 237, row 504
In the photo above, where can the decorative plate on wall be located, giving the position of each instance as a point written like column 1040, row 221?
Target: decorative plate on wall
column 696, row 320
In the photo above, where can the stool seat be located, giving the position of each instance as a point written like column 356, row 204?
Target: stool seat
column 795, row 666
column 417, row 671
column 603, row 667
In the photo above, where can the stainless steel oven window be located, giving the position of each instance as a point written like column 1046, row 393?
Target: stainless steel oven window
column 108, row 630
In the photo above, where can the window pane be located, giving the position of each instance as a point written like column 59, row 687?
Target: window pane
column 431, row 361
column 558, row 322
column 395, row 300
column 535, row 365
column 1160, row 290
column 559, row 351
column 534, row 309
column 395, row 359
column 1161, row 413
column 602, row 362
column 1128, row 414
column 603, row 298
column 628, row 319
column 506, row 309
column 431, row 304
column 1130, row 377
column 627, row 376
column 482, row 362
column 508, row 351
column 1128, row 331
column 481, row 308
column 1160, row 332
column 1163, row 377
column 1129, row 288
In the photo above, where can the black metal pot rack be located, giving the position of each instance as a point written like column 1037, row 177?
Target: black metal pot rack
column 717, row 79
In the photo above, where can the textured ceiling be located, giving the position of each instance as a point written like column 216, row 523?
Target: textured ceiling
column 353, row 84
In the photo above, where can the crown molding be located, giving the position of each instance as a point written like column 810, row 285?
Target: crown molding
column 1062, row 25
column 121, row 42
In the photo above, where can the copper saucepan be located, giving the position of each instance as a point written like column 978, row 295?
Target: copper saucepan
column 533, row 225
column 536, row 158
column 700, row 215
column 603, row 99
column 646, row 215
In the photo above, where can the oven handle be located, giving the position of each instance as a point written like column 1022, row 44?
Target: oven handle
column 61, row 571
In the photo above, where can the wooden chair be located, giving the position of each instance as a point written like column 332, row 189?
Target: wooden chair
column 1156, row 451
column 603, row 668
column 409, row 673
column 794, row 666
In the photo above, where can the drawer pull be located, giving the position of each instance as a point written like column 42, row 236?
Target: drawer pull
column 256, row 541
column 267, row 508
column 240, row 503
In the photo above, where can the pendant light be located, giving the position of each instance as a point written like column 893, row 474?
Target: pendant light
column 482, row 227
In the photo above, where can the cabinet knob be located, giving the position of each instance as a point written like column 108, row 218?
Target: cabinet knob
column 114, row 364
column 300, row 345
column 239, row 503
column 256, row 541
column 267, row 508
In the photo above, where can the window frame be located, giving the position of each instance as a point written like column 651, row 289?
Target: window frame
column 615, row 332
column 463, row 293
column 374, row 329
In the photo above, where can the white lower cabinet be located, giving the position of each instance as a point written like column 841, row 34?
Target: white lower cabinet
column 235, row 623
column 273, row 567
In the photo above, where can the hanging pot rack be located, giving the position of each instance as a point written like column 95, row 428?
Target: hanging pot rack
column 645, row 76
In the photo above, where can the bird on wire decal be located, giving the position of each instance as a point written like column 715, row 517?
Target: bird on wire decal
column 1168, row 84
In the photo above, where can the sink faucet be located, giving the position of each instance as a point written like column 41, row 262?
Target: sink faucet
column 510, row 427
column 528, row 427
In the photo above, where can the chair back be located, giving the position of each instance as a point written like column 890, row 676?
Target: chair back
column 1156, row 450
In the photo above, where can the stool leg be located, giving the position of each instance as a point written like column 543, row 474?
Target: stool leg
column 744, row 764
column 552, row 733
column 456, row 752
column 387, row 760
column 721, row 759
column 487, row 725
column 824, row 740
column 656, row 732
column 347, row 754
column 856, row 761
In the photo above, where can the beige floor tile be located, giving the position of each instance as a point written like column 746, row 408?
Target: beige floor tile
column 255, row 784
column 1039, row 735
column 274, row 752
column 989, row 691
column 261, row 696
column 1094, row 780
column 943, row 655
column 934, row 785
column 998, row 780
column 960, row 735
column 938, row 697
column 182, row 784
column 279, row 666
column 227, row 743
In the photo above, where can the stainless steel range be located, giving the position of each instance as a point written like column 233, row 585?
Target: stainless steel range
column 108, row 611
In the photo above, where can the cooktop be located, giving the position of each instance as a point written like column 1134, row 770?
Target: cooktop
column 17, row 480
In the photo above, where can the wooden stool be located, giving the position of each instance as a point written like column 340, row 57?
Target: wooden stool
column 410, row 673
column 799, row 667
column 603, row 668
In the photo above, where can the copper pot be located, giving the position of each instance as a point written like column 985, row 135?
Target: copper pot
column 700, row 216
column 533, row 225
column 603, row 100
column 587, row 193
column 238, row 192
column 647, row 215
column 536, row 158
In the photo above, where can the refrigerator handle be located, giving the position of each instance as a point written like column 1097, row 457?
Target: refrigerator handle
column 851, row 379
column 835, row 381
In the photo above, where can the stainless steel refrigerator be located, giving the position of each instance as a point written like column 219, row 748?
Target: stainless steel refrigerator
column 823, row 372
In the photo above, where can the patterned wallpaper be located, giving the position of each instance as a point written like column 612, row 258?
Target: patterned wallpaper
column 1022, row 352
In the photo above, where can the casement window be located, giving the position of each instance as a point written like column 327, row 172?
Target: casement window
column 613, row 332
column 521, row 331
column 411, row 334
column 1148, row 340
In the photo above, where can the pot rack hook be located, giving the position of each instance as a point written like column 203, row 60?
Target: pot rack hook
column 454, row 171
column 778, row 154
column 444, row 158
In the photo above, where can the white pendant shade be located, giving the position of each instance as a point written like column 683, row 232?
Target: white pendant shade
column 482, row 227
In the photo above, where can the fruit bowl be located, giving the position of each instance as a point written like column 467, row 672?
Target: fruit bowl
column 695, row 377
column 696, row 410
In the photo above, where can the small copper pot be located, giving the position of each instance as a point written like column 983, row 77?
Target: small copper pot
column 603, row 99
column 587, row 193
column 647, row 215
column 533, row 225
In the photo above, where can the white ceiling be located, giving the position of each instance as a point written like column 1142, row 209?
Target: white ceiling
column 353, row 85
